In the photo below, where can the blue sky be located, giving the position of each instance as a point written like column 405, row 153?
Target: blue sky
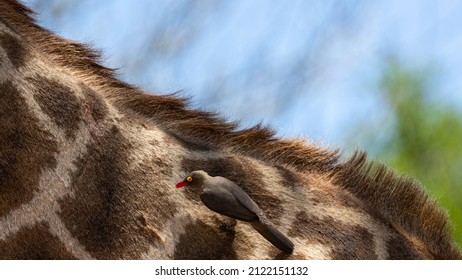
column 237, row 36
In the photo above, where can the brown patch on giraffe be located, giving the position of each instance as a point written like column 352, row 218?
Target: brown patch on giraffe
column 203, row 242
column 25, row 150
column 407, row 246
column 241, row 172
column 189, row 145
column 97, row 108
column 399, row 248
column 276, row 254
column 96, row 214
column 93, row 110
column 328, row 194
column 59, row 102
column 14, row 49
column 109, row 194
column 34, row 243
column 347, row 242
column 290, row 178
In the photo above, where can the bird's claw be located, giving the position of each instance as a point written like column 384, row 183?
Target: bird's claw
column 226, row 227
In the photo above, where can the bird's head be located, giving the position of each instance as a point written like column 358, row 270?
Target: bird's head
column 195, row 179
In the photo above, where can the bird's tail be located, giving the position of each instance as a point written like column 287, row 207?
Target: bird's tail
column 274, row 236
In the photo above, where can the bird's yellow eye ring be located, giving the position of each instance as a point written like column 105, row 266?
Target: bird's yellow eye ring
column 189, row 179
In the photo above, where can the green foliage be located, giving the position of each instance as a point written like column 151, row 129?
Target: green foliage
column 426, row 138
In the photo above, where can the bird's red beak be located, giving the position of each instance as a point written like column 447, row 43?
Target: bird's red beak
column 181, row 184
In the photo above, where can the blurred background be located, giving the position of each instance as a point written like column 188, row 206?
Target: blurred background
column 384, row 76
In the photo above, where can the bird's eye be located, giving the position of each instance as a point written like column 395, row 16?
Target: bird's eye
column 189, row 179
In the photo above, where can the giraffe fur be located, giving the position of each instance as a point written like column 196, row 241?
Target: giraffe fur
column 88, row 165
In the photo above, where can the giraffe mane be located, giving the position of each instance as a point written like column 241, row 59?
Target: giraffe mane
column 401, row 200
column 396, row 198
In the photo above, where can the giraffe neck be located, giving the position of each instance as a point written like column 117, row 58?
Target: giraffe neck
column 88, row 166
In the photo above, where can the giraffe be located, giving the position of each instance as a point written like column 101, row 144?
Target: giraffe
column 88, row 166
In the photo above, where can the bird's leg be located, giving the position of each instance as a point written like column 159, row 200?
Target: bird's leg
column 227, row 225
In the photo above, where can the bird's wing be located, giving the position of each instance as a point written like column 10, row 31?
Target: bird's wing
column 223, row 201
column 233, row 199
column 242, row 197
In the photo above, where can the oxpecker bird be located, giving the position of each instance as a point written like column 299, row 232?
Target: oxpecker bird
column 225, row 197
